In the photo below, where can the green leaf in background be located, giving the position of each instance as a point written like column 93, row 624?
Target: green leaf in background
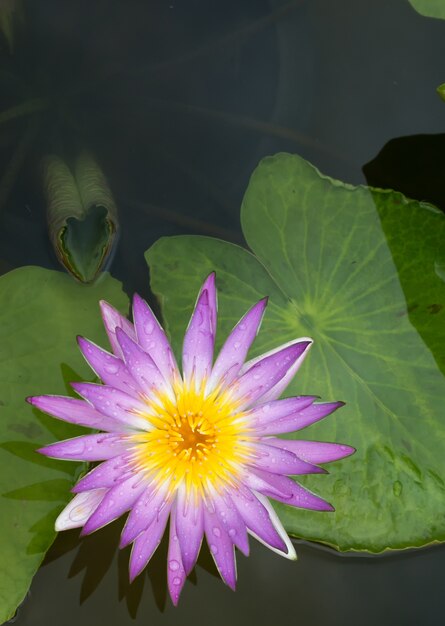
column 429, row 8
column 11, row 12
column 42, row 312
column 81, row 214
column 356, row 269
column 441, row 91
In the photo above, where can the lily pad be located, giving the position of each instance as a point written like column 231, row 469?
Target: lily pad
column 42, row 312
column 441, row 91
column 356, row 269
column 429, row 8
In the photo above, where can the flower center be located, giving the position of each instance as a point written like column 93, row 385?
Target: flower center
column 195, row 439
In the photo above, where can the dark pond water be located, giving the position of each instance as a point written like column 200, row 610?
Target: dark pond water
column 179, row 100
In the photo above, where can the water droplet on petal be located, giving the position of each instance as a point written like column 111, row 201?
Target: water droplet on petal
column 173, row 565
column 176, row 581
column 236, row 345
column 232, row 532
column 213, row 548
column 199, row 317
column 216, row 531
column 149, row 327
column 111, row 368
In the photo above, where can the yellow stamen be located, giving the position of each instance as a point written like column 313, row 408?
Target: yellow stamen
column 196, row 440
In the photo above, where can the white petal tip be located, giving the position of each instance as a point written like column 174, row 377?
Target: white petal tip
column 291, row 554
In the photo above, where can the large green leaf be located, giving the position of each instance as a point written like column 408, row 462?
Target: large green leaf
column 357, row 270
column 41, row 313
column 429, row 8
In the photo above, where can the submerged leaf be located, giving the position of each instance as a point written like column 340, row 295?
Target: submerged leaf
column 10, row 12
column 82, row 216
column 361, row 272
column 19, row 154
column 41, row 313
column 29, row 107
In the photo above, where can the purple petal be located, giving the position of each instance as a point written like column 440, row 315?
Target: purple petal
column 221, row 547
column 76, row 412
column 76, row 512
column 151, row 337
column 109, row 368
column 147, row 542
column 274, row 392
column 199, row 340
column 299, row 420
column 209, row 285
column 189, row 527
column 264, row 414
column 148, row 506
column 175, row 570
column 279, row 460
column 232, row 522
column 116, row 502
column 265, row 373
column 141, row 365
column 257, row 518
column 289, row 492
column 107, row 474
column 290, row 553
column 314, row 451
column 234, row 351
column 253, row 478
column 112, row 320
column 88, row 448
column 115, row 404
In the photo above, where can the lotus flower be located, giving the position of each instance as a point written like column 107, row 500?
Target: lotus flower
column 198, row 449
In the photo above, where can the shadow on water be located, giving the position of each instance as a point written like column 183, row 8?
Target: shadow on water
column 95, row 554
column 413, row 165
column 94, row 559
